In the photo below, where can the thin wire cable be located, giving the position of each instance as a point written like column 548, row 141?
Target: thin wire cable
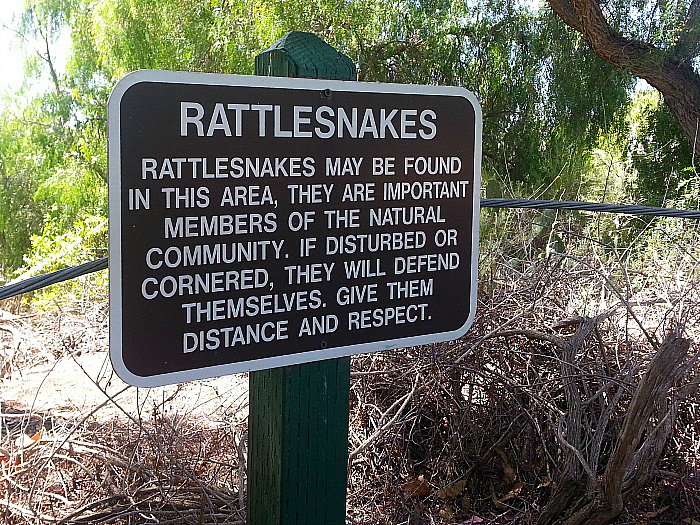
column 590, row 206
column 47, row 279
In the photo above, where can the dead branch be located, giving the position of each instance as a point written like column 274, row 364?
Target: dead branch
column 404, row 400
column 662, row 373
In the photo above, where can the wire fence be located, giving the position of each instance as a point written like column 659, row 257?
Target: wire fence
column 41, row 281
column 591, row 206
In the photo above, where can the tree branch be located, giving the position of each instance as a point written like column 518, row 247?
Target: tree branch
column 564, row 10
column 671, row 73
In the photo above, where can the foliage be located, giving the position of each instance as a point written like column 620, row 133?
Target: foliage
column 53, row 250
column 56, row 248
column 550, row 106
column 533, row 81
column 52, row 144
column 17, row 217
column 660, row 154
column 50, row 167
column 656, row 41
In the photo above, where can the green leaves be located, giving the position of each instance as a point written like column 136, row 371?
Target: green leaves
column 547, row 101
column 658, row 151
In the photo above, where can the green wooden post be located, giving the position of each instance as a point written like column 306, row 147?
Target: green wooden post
column 298, row 422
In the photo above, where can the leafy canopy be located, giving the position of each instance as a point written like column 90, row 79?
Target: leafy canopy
column 547, row 100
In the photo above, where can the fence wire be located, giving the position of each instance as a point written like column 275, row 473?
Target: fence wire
column 590, row 206
column 42, row 281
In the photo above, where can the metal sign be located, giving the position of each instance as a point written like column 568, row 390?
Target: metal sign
column 258, row 222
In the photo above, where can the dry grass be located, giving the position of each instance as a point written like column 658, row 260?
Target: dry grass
column 470, row 431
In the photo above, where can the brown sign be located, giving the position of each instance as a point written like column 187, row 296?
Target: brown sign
column 257, row 222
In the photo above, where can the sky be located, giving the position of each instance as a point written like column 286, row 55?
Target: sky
column 12, row 54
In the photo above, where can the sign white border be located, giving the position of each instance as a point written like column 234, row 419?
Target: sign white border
column 115, row 213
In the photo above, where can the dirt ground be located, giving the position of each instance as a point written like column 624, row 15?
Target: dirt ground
column 67, row 373
column 79, row 445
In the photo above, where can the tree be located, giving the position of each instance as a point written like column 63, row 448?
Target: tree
column 545, row 97
column 18, row 217
column 53, row 164
column 668, row 62
column 516, row 62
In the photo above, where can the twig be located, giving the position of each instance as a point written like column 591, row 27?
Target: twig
column 406, row 398
column 500, row 441
column 576, row 452
column 533, row 335
column 28, row 513
column 71, row 432
column 490, row 335
column 242, row 468
column 619, row 295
